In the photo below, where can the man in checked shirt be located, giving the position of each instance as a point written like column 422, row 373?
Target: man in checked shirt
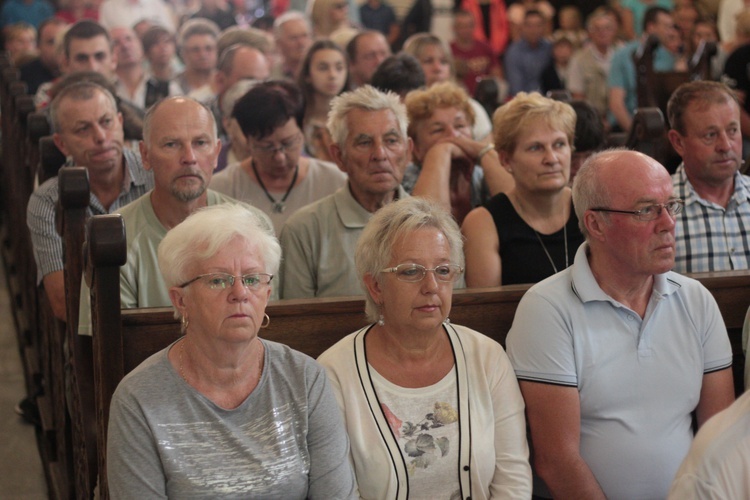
column 713, row 231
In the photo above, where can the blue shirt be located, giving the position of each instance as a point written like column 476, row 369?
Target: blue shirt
column 34, row 12
column 622, row 71
column 380, row 19
column 638, row 379
column 524, row 65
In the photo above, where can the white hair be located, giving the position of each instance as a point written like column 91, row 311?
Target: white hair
column 367, row 98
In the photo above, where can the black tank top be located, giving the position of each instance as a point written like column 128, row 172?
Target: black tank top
column 523, row 257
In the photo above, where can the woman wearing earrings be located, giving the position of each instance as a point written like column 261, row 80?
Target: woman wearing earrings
column 221, row 413
column 324, row 75
column 532, row 231
column 432, row 409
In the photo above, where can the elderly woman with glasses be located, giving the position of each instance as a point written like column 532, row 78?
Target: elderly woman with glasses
column 220, row 412
column 276, row 178
column 432, row 409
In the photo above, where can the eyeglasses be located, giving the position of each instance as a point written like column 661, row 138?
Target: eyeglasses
column 651, row 212
column 222, row 281
column 285, row 147
column 414, row 273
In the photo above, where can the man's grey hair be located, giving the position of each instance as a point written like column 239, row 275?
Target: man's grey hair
column 194, row 27
column 589, row 189
column 290, row 15
column 80, row 91
column 367, row 98
column 149, row 117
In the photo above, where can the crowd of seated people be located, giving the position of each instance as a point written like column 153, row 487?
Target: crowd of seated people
column 352, row 171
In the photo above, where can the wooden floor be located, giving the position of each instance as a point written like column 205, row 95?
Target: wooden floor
column 21, row 475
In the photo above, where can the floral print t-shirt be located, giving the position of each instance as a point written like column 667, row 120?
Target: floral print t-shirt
column 425, row 423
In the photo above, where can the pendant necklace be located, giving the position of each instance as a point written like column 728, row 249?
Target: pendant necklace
column 544, row 247
column 277, row 206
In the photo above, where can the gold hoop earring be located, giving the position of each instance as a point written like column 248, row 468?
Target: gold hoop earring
column 266, row 321
column 185, row 324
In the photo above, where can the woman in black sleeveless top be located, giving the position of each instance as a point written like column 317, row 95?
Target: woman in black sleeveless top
column 531, row 232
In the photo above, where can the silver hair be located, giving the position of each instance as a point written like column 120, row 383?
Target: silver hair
column 589, row 189
column 290, row 15
column 205, row 232
column 389, row 224
column 79, row 91
column 149, row 117
column 199, row 26
column 366, row 98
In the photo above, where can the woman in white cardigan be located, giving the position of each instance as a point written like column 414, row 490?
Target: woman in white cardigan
column 433, row 410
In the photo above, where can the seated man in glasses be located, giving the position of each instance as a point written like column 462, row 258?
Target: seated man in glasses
column 615, row 353
column 711, row 232
column 180, row 147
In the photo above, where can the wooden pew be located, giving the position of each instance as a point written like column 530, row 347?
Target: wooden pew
column 79, row 398
column 654, row 88
column 39, row 339
column 124, row 338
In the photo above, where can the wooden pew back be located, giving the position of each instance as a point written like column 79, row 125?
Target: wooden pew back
column 123, row 339
column 71, row 218
column 313, row 325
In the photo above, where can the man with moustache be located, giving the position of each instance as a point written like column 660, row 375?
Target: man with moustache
column 88, row 130
column 616, row 353
column 181, row 148
column 372, row 147
column 712, row 231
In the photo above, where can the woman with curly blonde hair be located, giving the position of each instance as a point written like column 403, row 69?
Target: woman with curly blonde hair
column 450, row 167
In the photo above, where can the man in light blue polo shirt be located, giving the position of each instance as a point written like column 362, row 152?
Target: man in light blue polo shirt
column 615, row 353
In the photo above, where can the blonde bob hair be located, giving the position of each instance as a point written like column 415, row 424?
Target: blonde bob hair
column 393, row 222
column 527, row 110
column 421, row 104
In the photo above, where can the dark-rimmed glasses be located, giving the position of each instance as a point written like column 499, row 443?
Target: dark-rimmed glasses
column 413, row 273
column 222, row 281
column 287, row 146
column 651, row 212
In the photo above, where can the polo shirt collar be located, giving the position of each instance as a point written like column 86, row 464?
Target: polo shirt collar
column 351, row 213
column 587, row 289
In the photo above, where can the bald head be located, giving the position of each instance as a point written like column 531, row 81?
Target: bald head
column 176, row 108
column 605, row 175
column 241, row 62
column 181, row 149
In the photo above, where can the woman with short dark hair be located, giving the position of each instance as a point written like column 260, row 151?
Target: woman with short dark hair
column 276, row 178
